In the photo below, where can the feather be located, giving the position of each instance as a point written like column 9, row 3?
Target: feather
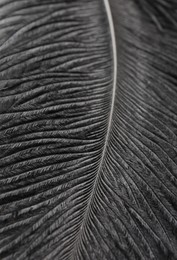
column 88, row 130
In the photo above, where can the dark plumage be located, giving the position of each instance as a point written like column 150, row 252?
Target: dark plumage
column 88, row 130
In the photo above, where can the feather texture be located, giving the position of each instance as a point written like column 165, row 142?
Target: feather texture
column 88, row 130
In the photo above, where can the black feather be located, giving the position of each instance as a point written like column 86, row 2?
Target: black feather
column 88, row 130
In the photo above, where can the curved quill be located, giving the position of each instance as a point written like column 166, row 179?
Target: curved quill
column 88, row 211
